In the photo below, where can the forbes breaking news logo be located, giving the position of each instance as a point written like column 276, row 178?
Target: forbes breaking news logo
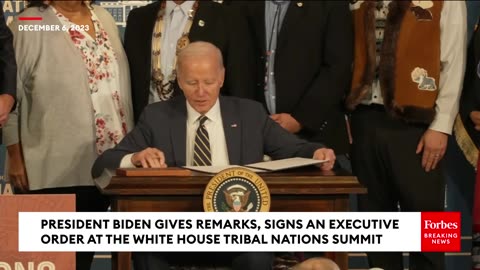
column 441, row 232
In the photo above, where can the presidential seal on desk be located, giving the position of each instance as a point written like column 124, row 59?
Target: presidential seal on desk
column 236, row 190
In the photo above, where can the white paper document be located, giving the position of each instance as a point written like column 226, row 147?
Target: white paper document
column 283, row 164
column 275, row 165
column 217, row 169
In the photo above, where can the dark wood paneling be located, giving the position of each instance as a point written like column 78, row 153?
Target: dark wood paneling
column 300, row 190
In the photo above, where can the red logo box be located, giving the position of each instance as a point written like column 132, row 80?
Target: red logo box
column 441, row 232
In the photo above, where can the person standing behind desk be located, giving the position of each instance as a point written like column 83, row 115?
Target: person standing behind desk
column 73, row 102
column 8, row 72
column 157, row 32
column 301, row 61
column 407, row 78
column 204, row 129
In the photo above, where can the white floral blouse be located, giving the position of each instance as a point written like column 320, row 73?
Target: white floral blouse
column 102, row 67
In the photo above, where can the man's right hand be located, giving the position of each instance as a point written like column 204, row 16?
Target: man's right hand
column 16, row 168
column 149, row 158
column 475, row 116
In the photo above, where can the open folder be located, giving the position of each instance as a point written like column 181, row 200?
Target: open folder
column 267, row 166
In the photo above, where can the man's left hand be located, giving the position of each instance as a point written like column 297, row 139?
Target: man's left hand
column 287, row 122
column 325, row 154
column 6, row 104
column 433, row 143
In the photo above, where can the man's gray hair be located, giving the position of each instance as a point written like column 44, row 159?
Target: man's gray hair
column 199, row 48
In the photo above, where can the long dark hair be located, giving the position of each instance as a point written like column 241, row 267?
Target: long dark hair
column 41, row 4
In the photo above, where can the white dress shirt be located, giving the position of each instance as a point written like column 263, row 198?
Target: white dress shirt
column 453, row 48
column 174, row 21
column 216, row 134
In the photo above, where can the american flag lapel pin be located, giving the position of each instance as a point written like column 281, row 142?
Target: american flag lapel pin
column 233, row 125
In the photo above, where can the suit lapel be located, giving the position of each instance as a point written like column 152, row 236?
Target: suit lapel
column 178, row 133
column 294, row 14
column 148, row 25
column 476, row 42
column 204, row 13
column 257, row 10
column 232, row 128
column 145, row 44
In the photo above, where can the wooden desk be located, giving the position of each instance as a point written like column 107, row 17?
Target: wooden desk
column 299, row 190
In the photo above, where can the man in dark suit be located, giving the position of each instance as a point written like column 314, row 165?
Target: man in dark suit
column 205, row 129
column 303, row 54
column 174, row 24
column 8, row 71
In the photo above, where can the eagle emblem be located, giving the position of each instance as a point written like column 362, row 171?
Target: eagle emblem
column 236, row 189
column 237, row 197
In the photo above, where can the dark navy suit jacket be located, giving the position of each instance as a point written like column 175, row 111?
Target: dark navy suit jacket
column 249, row 133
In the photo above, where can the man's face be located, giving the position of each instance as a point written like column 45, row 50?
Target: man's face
column 200, row 78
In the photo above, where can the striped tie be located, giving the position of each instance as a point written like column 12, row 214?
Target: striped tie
column 201, row 150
